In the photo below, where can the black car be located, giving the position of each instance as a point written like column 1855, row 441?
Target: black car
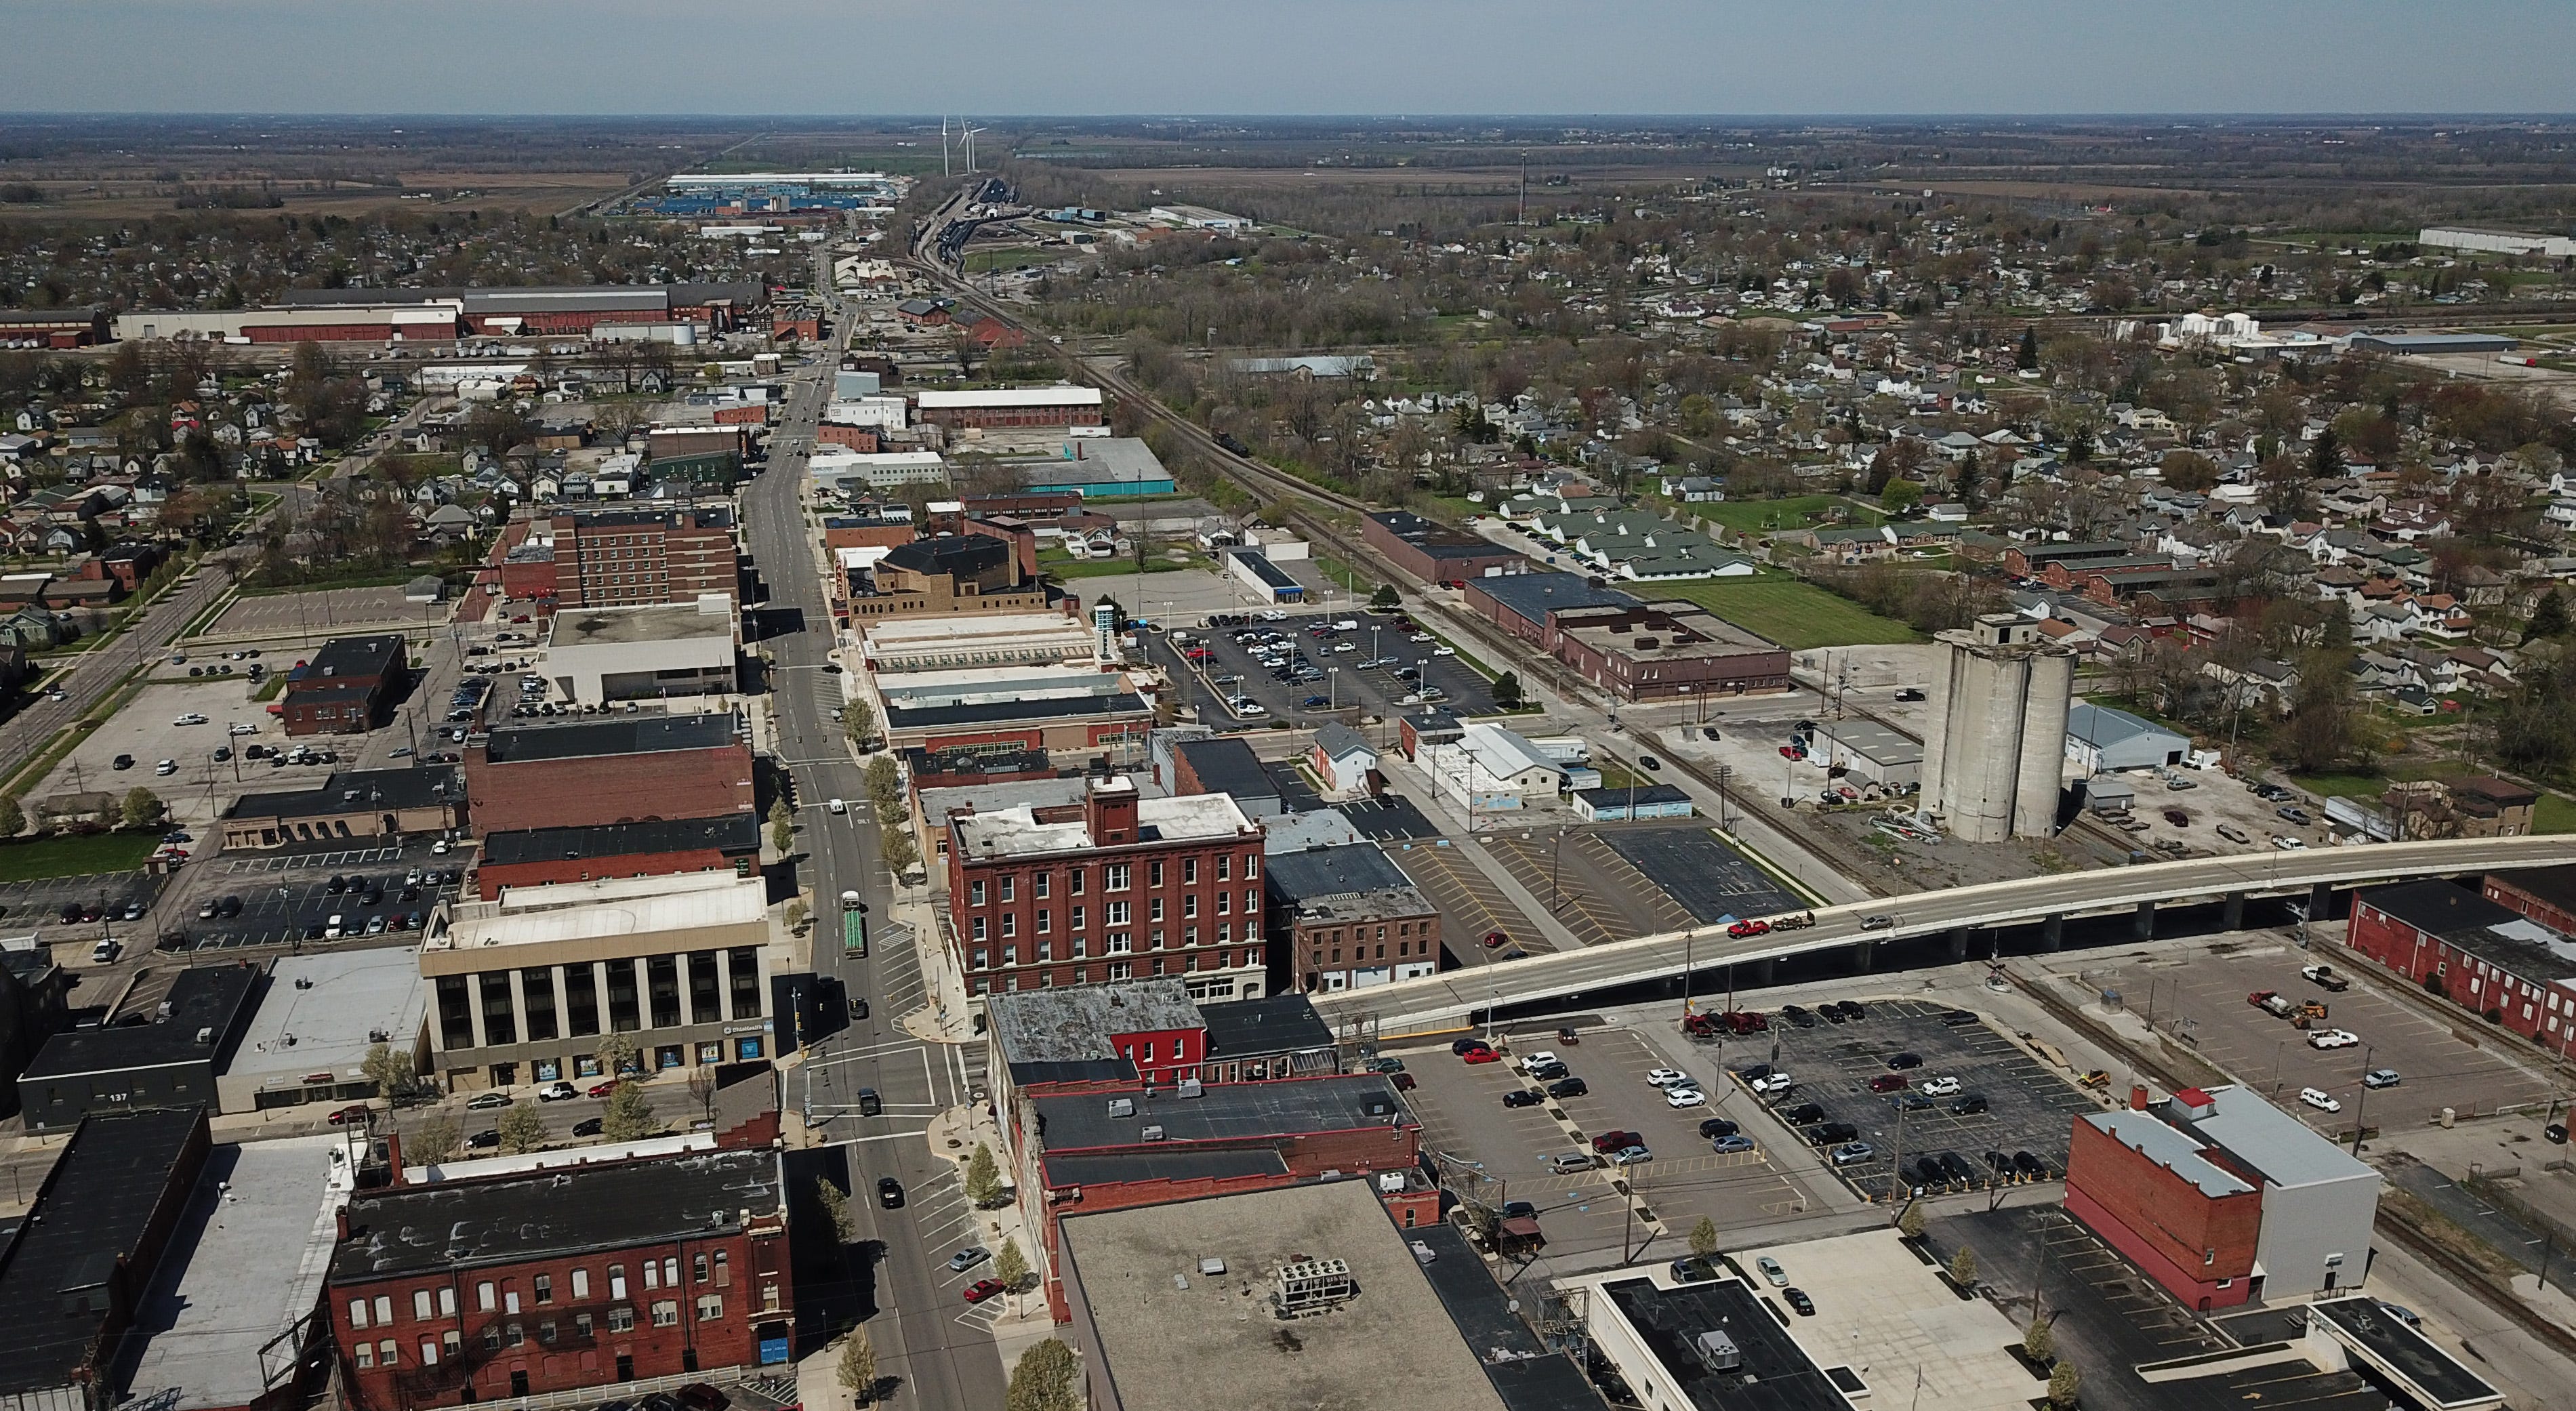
column 1832, row 1133
column 1853, row 1011
column 1805, row 1114
column 1519, row 1210
column 1898, row 1062
column 2030, row 1166
column 2002, row 1165
column 1568, row 1087
column 1754, row 1074
column 1910, row 1101
column 1798, row 1299
column 587, row 1127
column 484, row 1140
column 1547, row 1071
column 336, row 885
column 1522, row 1097
column 1957, row 1169
column 1797, row 1016
column 889, row 1192
column 1958, row 1018
column 1969, row 1105
column 1832, row 1013
column 1717, row 1127
column 1928, row 1172
column 71, row 913
column 1462, row 1047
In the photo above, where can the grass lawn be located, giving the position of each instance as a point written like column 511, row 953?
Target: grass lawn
column 1357, row 584
column 1067, row 566
column 71, row 856
column 1796, row 615
column 1797, row 512
column 2556, row 814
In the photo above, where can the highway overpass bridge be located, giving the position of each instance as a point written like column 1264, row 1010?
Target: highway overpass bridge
column 1566, row 979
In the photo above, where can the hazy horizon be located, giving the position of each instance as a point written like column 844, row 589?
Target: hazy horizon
column 1631, row 59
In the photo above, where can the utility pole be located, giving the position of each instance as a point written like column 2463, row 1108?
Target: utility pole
column 2361, row 1104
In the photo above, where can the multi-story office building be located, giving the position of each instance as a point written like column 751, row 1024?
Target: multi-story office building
column 622, row 558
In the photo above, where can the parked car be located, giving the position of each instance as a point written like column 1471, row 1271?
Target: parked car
column 1522, row 1097
column 354, row 1112
column 1685, row 1097
column 1887, row 1083
column 1482, row 1055
column 1940, row 1087
column 1969, row 1106
column 1717, row 1127
column 2320, row 1099
column 589, row 1127
column 1667, row 1077
column 1771, row 1270
column 557, row 1092
column 485, row 1102
column 1901, row 1061
column 982, row 1289
column 2030, row 1166
column 1798, row 1299
column 2333, row 1038
column 1612, row 1141
column 2380, row 1078
column 1853, row 1153
column 1567, row 1162
column 1769, row 1086
column 485, row 1140
column 968, row 1258
column 1631, row 1156
column 1568, row 1087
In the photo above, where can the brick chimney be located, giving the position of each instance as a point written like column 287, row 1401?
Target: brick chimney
column 1110, row 811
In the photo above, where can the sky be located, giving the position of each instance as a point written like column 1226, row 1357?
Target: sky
column 1002, row 58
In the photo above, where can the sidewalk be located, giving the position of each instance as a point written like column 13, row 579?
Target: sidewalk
column 1025, row 1319
column 943, row 1017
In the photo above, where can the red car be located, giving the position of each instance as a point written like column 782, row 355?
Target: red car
column 355, row 1112
column 1887, row 1083
column 1481, row 1055
column 1404, row 1081
column 603, row 1089
column 1496, row 940
column 982, row 1289
column 1788, row 753
column 1749, row 928
column 522, row 617
column 1616, row 1141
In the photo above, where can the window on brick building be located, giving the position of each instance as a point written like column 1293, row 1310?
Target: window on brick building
column 357, row 1313
column 1224, row 902
column 975, row 928
column 1154, row 873
column 1116, row 913
column 1154, row 909
column 1189, row 906
column 581, row 1283
column 428, row 1353
column 420, row 1305
column 581, row 1326
column 1225, row 869
column 364, row 1355
column 974, row 894
column 1038, row 884
column 1077, row 919
column 545, row 1288
column 1073, row 883
column 710, row 1307
column 1010, row 925
column 666, row 1313
column 1114, row 877
column 1044, row 921
column 724, row 1269
column 621, row 1320
column 1189, row 870
column 546, row 1332
column 616, row 1281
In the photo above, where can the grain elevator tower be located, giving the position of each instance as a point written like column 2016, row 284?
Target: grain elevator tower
column 1996, row 751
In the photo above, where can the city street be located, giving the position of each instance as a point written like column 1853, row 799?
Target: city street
column 941, row 1363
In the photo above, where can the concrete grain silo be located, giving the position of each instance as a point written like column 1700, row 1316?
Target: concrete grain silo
column 1996, row 749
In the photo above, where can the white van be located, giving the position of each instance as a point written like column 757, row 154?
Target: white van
column 840, row 806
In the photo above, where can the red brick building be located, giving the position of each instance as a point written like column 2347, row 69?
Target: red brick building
column 2483, row 955
column 539, row 857
column 1013, row 406
column 1115, row 888
column 345, row 688
column 622, row 558
column 555, row 1280
column 2545, row 894
column 625, row 769
column 54, row 328
column 862, row 439
column 1434, row 552
column 2170, row 1204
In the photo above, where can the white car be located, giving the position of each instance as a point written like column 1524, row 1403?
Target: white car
column 1771, row 1083
column 2320, row 1099
column 1772, row 1271
column 2333, row 1038
column 1684, row 1097
column 1444, row 651
column 557, row 1092
column 1541, row 1059
column 2288, row 844
column 241, row 729
column 191, row 718
column 167, row 766
column 1940, row 1087
column 1668, row 1077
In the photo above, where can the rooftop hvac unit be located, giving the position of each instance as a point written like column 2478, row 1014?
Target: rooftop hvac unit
column 1717, row 1351
column 1312, row 1286
column 1211, row 1267
column 1122, row 1107
column 1151, row 1134
column 1190, row 1088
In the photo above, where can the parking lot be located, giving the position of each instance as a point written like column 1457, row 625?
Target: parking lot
column 146, row 731
column 317, row 616
column 2028, row 1107
column 1464, row 1120
column 1586, row 884
column 37, row 906
column 1331, row 663
column 1695, row 867
column 285, row 898
column 1471, row 906
column 2196, row 991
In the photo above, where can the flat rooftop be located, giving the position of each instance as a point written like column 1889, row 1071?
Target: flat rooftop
column 1016, row 832
column 1015, row 711
column 730, row 833
column 661, row 622
column 2490, row 931
column 1301, row 877
column 624, row 734
column 2414, row 1357
column 356, row 656
column 2170, row 1147
column 1166, row 1333
column 357, row 791
column 104, row 1192
column 1872, row 1294
column 246, row 1261
column 203, row 998
column 324, row 1011
column 1874, row 742
column 1533, row 596
column 621, row 906
column 1661, row 631
column 1282, row 1023
column 1077, row 1023
column 1667, row 1320
column 1225, row 1112
column 2287, row 1151
column 556, row 1214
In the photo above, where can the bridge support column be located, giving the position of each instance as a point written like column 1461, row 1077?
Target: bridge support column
column 2145, row 926
column 2052, row 933
column 2232, row 918
column 1764, row 969
column 1959, row 941
column 2321, row 902
column 1863, row 954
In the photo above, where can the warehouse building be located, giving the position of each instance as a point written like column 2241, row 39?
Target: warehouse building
column 1099, row 468
column 1631, row 804
column 596, row 656
column 53, row 328
column 318, row 1016
column 1434, row 552
column 2480, row 952
column 1268, row 581
column 1873, row 753
column 2104, row 740
column 995, row 407
column 1665, row 652
column 358, row 803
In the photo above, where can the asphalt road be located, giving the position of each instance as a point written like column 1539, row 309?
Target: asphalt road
column 1410, row 1004
column 97, row 673
column 941, row 1362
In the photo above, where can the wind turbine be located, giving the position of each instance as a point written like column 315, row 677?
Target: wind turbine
column 969, row 134
column 943, row 147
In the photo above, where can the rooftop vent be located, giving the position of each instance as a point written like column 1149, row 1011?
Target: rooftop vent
column 1151, row 1134
column 1122, row 1107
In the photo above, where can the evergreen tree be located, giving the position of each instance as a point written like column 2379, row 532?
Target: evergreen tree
column 13, row 819
column 1971, row 491
column 2325, row 458
column 2026, row 357
column 2548, row 619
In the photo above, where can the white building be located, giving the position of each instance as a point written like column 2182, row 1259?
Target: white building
column 838, row 468
column 661, row 651
column 1490, row 769
column 2500, row 242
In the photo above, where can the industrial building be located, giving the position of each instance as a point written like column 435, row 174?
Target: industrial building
column 523, row 988
column 1666, row 652
column 649, row 652
column 1434, row 552
column 1994, row 755
column 1098, row 468
column 2481, row 953
column 1220, row 764
column 1268, row 581
column 553, row 1281
column 2102, row 740
column 2235, row 1202
column 53, row 328
column 1350, row 919
column 2497, row 242
column 1628, row 805
column 1001, row 407
column 1872, row 753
